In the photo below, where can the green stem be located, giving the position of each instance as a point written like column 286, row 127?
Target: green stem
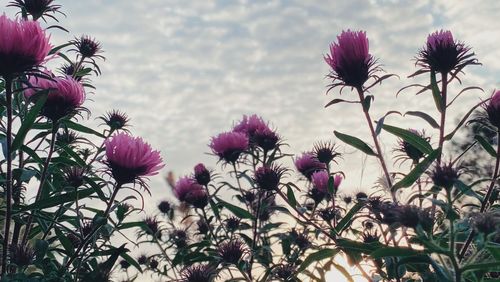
column 8, row 186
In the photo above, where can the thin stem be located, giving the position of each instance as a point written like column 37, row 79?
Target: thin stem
column 8, row 186
column 239, row 184
column 375, row 140
column 43, row 177
column 254, row 240
column 486, row 199
column 452, row 241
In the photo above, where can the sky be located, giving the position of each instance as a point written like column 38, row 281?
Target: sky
column 184, row 71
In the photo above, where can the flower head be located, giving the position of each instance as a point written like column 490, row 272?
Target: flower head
column 443, row 54
column 445, row 175
column 201, row 174
column 231, row 251
column 268, row 177
column 87, row 47
column 37, row 8
column 115, row 119
column 198, row 273
column 23, row 45
column 130, row 158
column 74, row 176
column 258, row 132
column 164, row 207
column 266, row 139
column 229, row 146
column 65, row 95
column 188, row 190
column 493, row 109
column 325, row 152
column 307, row 164
column 152, row 226
column 350, row 59
column 408, row 150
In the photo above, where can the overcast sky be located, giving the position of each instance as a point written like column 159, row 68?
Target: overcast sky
column 186, row 70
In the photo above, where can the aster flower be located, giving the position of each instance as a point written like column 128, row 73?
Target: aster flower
column 443, row 54
column 201, row 174
column 350, row 60
column 87, row 47
column 198, row 273
column 268, row 177
column 152, row 226
column 130, row 158
column 266, row 139
column 307, row 164
column 37, row 8
column 493, row 109
column 188, row 190
column 65, row 95
column 445, row 175
column 325, row 152
column 258, row 132
column 115, row 119
column 23, row 45
column 232, row 251
column 229, row 146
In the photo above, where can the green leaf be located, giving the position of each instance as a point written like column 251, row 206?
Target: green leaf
column 81, row 128
column 425, row 117
column 28, row 121
column 317, row 256
column 239, row 212
column 74, row 155
column 394, row 252
column 58, row 199
column 467, row 190
column 436, row 94
column 420, row 168
column 486, row 145
column 355, row 142
column 482, row 266
column 291, row 196
column 416, row 141
column 344, row 222
column 367, row 102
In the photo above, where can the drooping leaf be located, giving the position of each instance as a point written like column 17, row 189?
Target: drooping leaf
column 356, row 143
column 237, row 211
column 430, row 120
column 436, row 94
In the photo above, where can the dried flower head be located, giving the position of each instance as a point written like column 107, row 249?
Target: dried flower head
column 23, row 45
column 130, row 158
column 443, row 54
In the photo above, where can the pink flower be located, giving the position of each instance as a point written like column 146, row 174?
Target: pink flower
column 201, row 174
column 229, row 145
column 249, row 125
column 307, row 164
column 258, row 132
column 188, row 190
column 23, row 45
column 493, row 109
column 443, row 54
column 65, row 95
column 350, row 59
column 320, row 180
column 336, row 181
column 130, row 158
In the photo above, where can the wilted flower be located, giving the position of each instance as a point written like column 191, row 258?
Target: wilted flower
column 87, row 47
column 493, row 109
column 325, row 152
column 229, row 146
column 23, row 45
column 445, row 175
column 21, row 255
column 130, row 158
column 164, row 207
column 231, row 251
column 115, row 119
column 268, row 177
column 350, row 59
column 198, row 273
column 443, row 54
column 37, row 8
column 307, row 164
column 65, row 95
column 188, row 190
column 201, row 174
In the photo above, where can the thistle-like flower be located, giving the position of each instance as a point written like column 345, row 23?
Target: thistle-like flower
column 232, row 251
column 115, row 119
column 229, row 146
column 65, row 95
column 443, row 54
column 268, row 177
column 325, row 152
column 164, row 207
column 188, row 190
column 23, row 45
column 408, row 150
column 445, row 175
column 37, row 8
column 493, row 109
column 130, row 158
column 87, row 47
column 307, row 164
column 198, row 273
column 202, row 174
column 352, row 64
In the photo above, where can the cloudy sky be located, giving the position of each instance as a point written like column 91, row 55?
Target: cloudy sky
column 186, row 70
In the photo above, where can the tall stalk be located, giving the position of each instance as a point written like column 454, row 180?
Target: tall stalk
column 375, row 140
column 8, row 182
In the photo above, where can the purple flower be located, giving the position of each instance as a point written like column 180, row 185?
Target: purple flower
column 23, row 45
column 201, row 174
column 229, row 145
column 320, row 180
column 443, row 54
column 188, row 190
column 493, row 109
column 36, row 8
column 65, row 95
column 258, row 132
column 266, row 139
column 87, row 47
column 130, row 158
column 250, row 124
column 307, row 164
column 350, row 59
column 268, row 177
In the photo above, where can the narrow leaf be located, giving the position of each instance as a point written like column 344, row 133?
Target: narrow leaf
column 425, row 117
column 317, row 256
column 28, row 121
column 355, row 142
column 409, row 179
column 418, row 142
column 486, row 145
